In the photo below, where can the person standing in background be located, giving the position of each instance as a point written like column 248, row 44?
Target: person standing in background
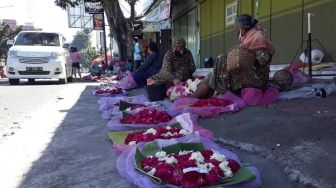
column 75, row 57
column 137, row 53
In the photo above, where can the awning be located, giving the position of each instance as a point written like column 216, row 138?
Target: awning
column 102, row 58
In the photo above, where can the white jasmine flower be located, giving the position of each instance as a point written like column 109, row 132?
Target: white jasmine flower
column 192, row 85
column 132, row 143
column 205, row 167
column 151, row 131
column 168, row 127
column 174, row 94
column 169, row 160
column 197, row 156
column 228, row 172
column 167, row 134
column 184, row 132
column 226, row 169
column 160, row 154
column 218, row 156
column 152, row 172
column 184, row 152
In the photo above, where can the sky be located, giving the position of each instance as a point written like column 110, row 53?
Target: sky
column 44, row 14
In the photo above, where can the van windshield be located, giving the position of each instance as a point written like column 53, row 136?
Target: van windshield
column 38, row 39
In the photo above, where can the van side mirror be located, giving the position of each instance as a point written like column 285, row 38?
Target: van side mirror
column 10, row 42
column 66, row 45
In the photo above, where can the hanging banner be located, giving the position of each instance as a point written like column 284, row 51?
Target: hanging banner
column 98, row 21
column 157, row 26
column 161, row 12
column 93, row 6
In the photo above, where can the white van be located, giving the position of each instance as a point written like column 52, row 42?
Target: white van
column 38, row 55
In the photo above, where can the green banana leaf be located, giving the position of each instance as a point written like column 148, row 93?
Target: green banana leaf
column 119, row 137
column 124, row 105
column 243, row 175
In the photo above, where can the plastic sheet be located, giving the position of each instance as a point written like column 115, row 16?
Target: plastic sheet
column 315, row 91
column 127, row 82
column 253, row 96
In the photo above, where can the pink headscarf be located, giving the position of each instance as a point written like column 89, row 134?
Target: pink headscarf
column 256, row 39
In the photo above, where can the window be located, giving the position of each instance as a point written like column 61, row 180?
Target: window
column 38, row 39
column 231, row 13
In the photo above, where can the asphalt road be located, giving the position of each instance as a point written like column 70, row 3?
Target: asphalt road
column 52, row 135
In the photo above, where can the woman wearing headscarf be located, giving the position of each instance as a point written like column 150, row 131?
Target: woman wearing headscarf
column 255, row 74
column 151, row 66
column 178, row 65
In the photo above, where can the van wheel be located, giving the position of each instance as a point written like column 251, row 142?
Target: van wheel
column 14, row 81
column 31, row 80
column 63, row 81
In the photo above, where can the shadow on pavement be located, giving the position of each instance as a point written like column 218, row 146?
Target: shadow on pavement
column 79, row 154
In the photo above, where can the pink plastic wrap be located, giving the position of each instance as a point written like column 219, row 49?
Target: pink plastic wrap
column 183, row 105
column 253, row 96
column 299, row 77
column 126, row 163
column 187, row 121
column 127, row 82
column 109, row 94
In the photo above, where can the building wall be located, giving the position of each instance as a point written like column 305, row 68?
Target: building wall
column 285, row 22
column 185, row 24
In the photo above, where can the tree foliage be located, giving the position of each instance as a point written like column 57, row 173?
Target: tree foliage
column 119, row 25
column 87, row 55
column 82, row 39
column 6, row 32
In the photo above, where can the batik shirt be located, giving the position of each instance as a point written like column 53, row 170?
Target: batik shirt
column 174, row 67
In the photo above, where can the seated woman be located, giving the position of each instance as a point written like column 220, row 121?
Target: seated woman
column 96, row 70
column 178, row 65
column 151, row 66
column 253, row 75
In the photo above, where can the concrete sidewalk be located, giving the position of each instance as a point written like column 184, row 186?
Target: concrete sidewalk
column 290, row 142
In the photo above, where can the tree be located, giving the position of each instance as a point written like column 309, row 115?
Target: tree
column 87, row 55
column 119, row 25
column 7, row 32
column 82, row 39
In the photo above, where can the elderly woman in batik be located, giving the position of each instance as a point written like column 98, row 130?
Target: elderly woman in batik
column 255, row 41
column 178, row 65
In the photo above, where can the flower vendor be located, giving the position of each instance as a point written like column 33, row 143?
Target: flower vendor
column 151, row 66
column 178, row 65
column 245, row 66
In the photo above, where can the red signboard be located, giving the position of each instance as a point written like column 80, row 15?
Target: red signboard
column 98, row 21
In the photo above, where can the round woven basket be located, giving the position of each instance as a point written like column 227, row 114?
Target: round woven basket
column 284, row 79
column 240, row 58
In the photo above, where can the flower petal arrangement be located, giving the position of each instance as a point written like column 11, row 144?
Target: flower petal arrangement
column 213, row 101
column 108, row 90
column 147, row 116
column 190, row 168
column 151, row 134
column 189, row 165
column 184, row 89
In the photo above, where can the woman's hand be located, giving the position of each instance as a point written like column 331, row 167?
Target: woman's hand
column 150, row 81
column 176, row 81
